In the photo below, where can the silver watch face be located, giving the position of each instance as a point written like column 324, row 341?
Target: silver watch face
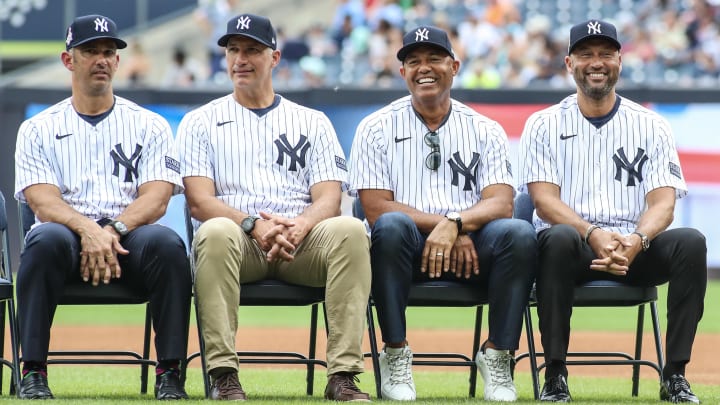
column 453, row 216
column 120, row 227
column 248, row 224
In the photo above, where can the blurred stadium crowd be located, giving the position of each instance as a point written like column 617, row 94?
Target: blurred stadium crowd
column 500, row 43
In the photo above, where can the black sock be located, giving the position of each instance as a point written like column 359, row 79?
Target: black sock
column 167, row 365
column 34, row 367
column 555, row 368
column 672, row 368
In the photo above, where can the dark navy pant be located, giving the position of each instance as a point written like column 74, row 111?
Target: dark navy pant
column 507, row 252
column 677, row 256
column 157, row 266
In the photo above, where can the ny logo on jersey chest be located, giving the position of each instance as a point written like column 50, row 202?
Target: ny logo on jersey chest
column 296, row 153
column 468, row 171
column 130, row 164
column 633, row 169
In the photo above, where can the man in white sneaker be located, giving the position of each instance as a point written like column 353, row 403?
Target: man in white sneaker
column 434, row 180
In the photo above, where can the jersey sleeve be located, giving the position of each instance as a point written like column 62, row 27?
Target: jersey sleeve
column 194, row 147
column 32, row 165
column 369, row 167
column 536, row 161
column 497, row 168
column 160, row 163
column 664, row 167
column 328, row 160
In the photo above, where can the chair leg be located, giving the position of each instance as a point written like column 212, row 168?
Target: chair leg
column 15, row 347
column 475, row 349
column 658, row 338
column 2, row 340
column 374, row 350
column 532, row 354
column 638, row 349
column 146, row 350
column 313, row 342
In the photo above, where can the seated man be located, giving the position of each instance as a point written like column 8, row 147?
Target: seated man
column 434, row 180
column 98, row 170
column 264, row 176
column 603, row 173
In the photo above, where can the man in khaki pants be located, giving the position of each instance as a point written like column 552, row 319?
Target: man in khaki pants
column 264, row 176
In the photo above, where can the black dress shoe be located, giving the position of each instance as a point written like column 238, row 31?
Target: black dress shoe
column 556, row 390
column 677, row 390
column 34, row 386
column 169, row 387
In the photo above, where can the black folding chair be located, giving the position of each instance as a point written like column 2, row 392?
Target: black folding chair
column 598, row 294
column 7, row 300
column 270, row 293
column 435, row 294
column 81, row 293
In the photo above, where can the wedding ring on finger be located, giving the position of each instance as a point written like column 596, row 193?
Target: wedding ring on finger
column 439, row 254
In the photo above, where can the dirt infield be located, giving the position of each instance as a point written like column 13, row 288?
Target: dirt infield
column 704, row 369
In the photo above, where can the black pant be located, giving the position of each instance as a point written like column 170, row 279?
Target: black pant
column 677, row 256
column 157, row 265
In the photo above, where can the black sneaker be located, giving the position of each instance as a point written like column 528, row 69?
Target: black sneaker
column 169, row 387
column 34, row 385
column 556, row 390
column 677, row 390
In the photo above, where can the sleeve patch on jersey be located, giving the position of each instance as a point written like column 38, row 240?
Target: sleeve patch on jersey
column 172, row 164
column 675, row 170
column 509, row 167
column 340, row 163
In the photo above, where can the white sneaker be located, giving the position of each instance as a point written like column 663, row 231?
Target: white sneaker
column 494, row 366
column 396, row 374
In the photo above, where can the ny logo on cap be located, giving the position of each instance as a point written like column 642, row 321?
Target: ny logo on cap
column 594, row 27
column 243, row 23
column 101, row 25
column 69, row 37
column 422, row 34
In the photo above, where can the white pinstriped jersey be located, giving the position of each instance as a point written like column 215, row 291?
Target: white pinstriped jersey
column 603, row 173
column 98, row 169
column 389, row 153
column 261, row 163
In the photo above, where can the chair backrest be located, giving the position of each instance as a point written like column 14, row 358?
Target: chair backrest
column 26, row 216
column 5, row 267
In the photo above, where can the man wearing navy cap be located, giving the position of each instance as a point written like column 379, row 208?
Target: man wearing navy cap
column 263, row 180
column 434, row 180
column 98, row 171
column 604, row 174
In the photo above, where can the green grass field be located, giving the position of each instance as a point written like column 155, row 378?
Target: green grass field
column 120, row 385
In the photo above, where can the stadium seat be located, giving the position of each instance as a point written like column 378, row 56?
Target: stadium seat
column 7, row 300
column 270, row 293
column 81, row 293
column 598, row 294
column 434, row 294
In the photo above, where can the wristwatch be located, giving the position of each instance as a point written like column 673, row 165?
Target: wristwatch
column 248, row 224
column 119, row 227
column 455, row 217
column 644, row 240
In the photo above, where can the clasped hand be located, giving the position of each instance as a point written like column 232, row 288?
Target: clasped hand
column 278, row 237
column 98, row 256
column 446, row 251
column 615, row 252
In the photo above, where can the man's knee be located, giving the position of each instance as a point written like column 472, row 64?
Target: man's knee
column 391, row 230
column 217, row 233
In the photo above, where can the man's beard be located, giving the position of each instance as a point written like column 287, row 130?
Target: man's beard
column 595, row 93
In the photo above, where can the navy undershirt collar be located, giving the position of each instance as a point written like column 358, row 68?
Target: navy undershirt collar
column 600, row 121
column 262, row 111
column 95, row 119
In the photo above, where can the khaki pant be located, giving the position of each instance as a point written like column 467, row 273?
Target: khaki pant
column 335, row 254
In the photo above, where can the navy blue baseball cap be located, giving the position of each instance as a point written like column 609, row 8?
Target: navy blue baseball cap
column 89, row 28
column 252, row 26
column 592, row 29
column 425, row 35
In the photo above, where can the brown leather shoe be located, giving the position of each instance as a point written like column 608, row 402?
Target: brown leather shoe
column 341, row 387
column 227, row 388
